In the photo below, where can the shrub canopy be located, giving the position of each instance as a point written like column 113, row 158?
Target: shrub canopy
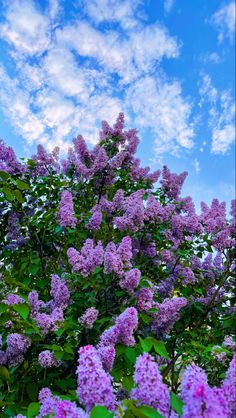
column 116, row 296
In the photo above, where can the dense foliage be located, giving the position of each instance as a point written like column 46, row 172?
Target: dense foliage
column 116, row 297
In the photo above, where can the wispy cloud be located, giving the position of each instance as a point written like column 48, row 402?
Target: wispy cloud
column 224, row 21
column 221, row 115
column 168, row 5
column 69, row 77
column 160, row 107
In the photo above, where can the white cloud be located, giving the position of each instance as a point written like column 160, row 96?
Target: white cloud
column 128, row 56
column 159, row 106
column 196, row 164
column 168, row 5
column 224, row 21
column 221, row 115
column 25, row 27
column 207, row 90
column 110, row 10
column 82, row 75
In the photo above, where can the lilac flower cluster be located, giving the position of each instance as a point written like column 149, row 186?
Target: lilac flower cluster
column 17, row 345
column 47, row 359
column 172, row 183
column 219, row 354
column 144, row 299
column 52, row 317
column 228, row 387
column 134, row 212
column 66, row 210
column 150, row 389
column 13, row 299
column 14, row 235
column 229, row 343
column 53, row 406
column 89, row 317
column 117, row 258
column 94, row 384
column 201, row 401
column 90, row 257
column 122, row 331
column 45, row 162
column 8, row 160
column 95, row 220
column 131, row 279
column 167, row 315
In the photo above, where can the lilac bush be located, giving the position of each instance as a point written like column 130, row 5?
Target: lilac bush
column 116, row 296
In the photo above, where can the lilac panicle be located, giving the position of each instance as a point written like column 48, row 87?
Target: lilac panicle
column 89, row 317
column 94, row 384
column 131, row 279
column 47, row 359
column 150, row 389
column 228, row 387
column 66, row 210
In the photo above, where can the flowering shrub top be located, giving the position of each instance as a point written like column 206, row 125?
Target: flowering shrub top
column 115, row 295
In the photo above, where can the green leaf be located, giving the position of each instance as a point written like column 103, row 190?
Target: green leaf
column 22, row 185
column 22, row 309
column 100, row 412
column 160, row 349
column 130, row 354
column 150, row 412
column 146, row 344
column 4, row 175
column 18, row 196
column 7, row 192
column 176, row 403
column 33, row 409
column 3, row 307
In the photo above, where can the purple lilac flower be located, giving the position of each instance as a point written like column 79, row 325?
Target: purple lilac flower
column 122, row 331
column 89, row 317
column 107, row 355
column 228, row 387
column 150, row 389
column 144, row 299
column 126, row 323
column 200, row 401
column 172, row 183
column 35, row 303
column 131, row 279
column 94, row 384
column 203, row 402
column 229, row 343
column 47, row 359
column 8, row 160
column 66, row 210
column 17, row 344
column 218, row 354
column 167, row 315
column 88, row 259
column 187, row 276
column 13, row 300
column 95, row 221
column 59, row 292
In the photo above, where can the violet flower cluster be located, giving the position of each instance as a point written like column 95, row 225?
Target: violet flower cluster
column 66, row 210
column 17, row 345
column 88, row 318
column 53, row 406
column 168, row 313
column 48, row 316
column 94, row 383
column 150, row 389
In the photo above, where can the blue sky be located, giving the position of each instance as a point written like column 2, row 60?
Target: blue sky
column 167, row 64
